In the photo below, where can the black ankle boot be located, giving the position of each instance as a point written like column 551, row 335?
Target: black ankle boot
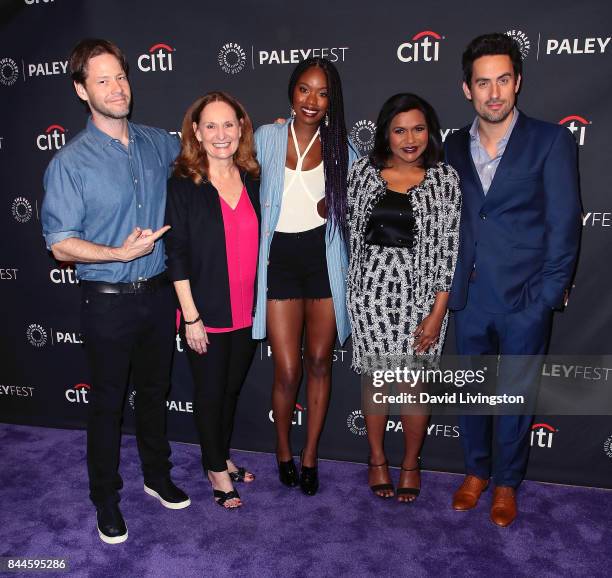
column 309, row 478
column 287, row 473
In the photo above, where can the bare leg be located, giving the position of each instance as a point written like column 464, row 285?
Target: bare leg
column 376, row 425
column 320, row 340
column 414, row 427
column 285, row 321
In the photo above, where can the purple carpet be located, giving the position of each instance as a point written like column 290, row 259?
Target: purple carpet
column 344, row 530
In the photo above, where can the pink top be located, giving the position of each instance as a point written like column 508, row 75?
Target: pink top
column 241, row 246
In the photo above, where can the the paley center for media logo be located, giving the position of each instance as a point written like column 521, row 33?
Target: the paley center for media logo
column 21, row 209
column 9, row 71
column 362, row 134
column 522, row 40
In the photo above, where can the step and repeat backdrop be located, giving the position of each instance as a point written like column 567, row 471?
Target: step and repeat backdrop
column 180, row 50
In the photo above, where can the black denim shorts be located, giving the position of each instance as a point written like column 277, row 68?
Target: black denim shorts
column 297, row 266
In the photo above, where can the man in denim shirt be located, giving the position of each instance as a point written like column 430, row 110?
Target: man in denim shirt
column 105, row 197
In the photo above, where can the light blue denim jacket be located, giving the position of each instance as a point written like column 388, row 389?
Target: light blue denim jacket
column 271, row 146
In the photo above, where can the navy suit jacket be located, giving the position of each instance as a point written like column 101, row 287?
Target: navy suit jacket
column 522, row 238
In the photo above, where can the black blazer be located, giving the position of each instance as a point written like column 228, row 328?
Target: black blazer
column 195, row 245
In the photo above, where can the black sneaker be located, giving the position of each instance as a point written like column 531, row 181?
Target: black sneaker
column 111, row 526
column 168, row 494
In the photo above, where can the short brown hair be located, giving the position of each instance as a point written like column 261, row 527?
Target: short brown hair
column 192, row 161
column 87, row 49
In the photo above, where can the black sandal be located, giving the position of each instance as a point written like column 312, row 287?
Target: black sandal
column 221, row 497
column 381, row 487
column 409, row 491
column 239, row 475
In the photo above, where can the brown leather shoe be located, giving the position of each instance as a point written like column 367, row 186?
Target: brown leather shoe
column 503, row 509
column 466, row 497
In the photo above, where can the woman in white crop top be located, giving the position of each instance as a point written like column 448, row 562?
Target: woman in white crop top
column 303, row 259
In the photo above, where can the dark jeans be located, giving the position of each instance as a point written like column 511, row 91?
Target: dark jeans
column 123, row 333
column 218, row 376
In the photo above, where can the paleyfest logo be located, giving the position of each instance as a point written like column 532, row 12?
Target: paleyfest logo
column 231, row 58
column 576, row 125
column 577, row 45
column 608, row 447
column 158, row 59
column 424, row 46
column 9, row 71
column 171, row 405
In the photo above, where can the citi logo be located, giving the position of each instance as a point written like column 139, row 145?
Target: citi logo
column 423, row 46
column 577, row 45
column 36, row 335
column 63, row 275
column 159, row 59
column 21, row 209
column 542, row 435
column 9, row 71
column 298, row 415
column 576, row 125
column 54, row 138
column 78, row 393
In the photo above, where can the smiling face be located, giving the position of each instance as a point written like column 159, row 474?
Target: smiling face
column 106, row 88
column 219, row 130
column 310, row 100
column 493, row 87
column 408, row 137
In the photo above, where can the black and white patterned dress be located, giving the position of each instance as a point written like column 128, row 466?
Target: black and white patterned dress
column 392, row 289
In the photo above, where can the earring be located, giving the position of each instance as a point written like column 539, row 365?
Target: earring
column 326, row 119
column 292, row 113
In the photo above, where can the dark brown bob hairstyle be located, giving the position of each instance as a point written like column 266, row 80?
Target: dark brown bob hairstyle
column 192, row 161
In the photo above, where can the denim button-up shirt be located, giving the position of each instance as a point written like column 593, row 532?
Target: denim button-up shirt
column 99, row 190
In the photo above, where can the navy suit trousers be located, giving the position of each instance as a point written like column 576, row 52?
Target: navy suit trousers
column 500, row 446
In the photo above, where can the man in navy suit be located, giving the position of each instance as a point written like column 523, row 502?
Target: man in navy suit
column 520, row 227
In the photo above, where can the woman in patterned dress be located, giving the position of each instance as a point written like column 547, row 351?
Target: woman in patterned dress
column 404, row 210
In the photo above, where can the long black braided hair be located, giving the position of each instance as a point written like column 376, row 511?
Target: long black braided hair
column 334, row 141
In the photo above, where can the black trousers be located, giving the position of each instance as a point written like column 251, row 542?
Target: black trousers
column 123, row 333
column 218, row 376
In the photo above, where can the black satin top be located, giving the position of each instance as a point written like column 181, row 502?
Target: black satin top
column 392, row 222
